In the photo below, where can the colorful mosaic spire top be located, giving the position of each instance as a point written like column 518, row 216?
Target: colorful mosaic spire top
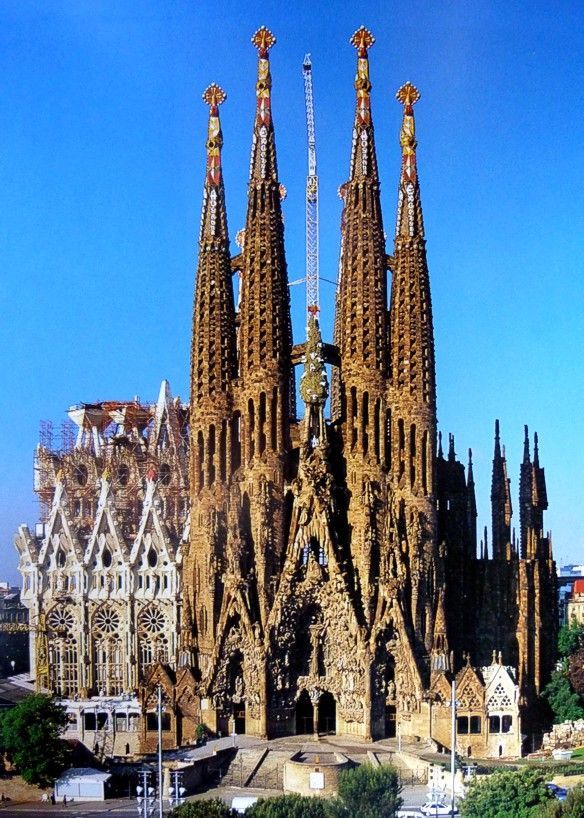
column 362, row 39
column 263, row 40
column 408, row 95
column 214, row 96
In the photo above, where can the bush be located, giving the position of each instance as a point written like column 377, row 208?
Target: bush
column 366, row 792
column 212, row 808
column 287, row 806
column 506, row 794
column 30, row 735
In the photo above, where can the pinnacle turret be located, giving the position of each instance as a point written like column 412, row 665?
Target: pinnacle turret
column 471, row 507
column 501, row 507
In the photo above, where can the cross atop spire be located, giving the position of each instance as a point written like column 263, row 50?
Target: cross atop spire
column 263, row 39
column 362, row 39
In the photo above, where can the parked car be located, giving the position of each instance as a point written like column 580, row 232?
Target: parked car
column 561, row 793
column 409, row 812
column 437, row 809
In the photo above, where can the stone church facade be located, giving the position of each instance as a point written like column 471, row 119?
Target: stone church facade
column 279, row 571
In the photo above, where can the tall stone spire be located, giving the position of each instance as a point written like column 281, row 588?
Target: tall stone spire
column 265, row 335
column 471, row 508
column 525, row 494
column 413, row 387
column 532, row 503
column 213, row 370
column 361, row 321
column 265, row 394
column 500, row 502
column 213, row 354
column 412, row 378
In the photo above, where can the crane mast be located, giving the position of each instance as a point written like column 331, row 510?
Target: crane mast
column 312, row 300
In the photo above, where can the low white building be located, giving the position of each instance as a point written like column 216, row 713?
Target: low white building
column 82, row 784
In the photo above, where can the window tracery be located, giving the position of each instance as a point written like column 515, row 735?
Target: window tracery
column 108, row 651
column 152, row 638
column 499, row 699
column 63, row 652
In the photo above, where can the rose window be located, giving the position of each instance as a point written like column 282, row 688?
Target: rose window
column 152, row 621
column 106, row 620
column 60, row 619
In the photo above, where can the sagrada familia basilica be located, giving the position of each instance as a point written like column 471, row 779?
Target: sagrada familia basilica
column 275, row 570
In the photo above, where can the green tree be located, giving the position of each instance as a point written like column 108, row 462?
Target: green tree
column 366, row 792
column 505, row 794
column 570, row 638
column 212, row 808
column 572, row 807
column 565, row 704
column 287, row 806
column 30, row 735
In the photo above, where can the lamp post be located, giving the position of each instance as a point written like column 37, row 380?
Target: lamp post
column 160, row 781
column 145, row 796
column 176, row 792
column 453, row 705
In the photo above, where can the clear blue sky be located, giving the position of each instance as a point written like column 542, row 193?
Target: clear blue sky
column 102, row 132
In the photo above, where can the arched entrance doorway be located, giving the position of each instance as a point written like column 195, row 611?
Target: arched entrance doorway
column 304, row 715
column 327, row 714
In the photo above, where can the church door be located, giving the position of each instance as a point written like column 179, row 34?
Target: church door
column 304, row 715
column 390, row 722
column 327, row 714
column 239, row 716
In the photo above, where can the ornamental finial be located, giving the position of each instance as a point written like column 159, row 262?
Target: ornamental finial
column 408, row 94
column 214, row 95
column 362, row 39
column 263, row 40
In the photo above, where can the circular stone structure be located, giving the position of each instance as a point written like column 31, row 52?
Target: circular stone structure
column 314, row 773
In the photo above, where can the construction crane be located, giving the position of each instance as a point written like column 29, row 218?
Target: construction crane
column 312, row 279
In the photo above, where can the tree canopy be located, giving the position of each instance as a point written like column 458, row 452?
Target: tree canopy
column 288, row 806
column 30, row 735
column 570, row 639
column 211, row 808
column 562, row 692
column 566, row 705
column 504, row 794
column 366, row 792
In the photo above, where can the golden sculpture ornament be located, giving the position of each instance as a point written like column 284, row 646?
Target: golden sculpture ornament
column 263, row 39
column 362, row 39
column 214, row 95
column 408, row 94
